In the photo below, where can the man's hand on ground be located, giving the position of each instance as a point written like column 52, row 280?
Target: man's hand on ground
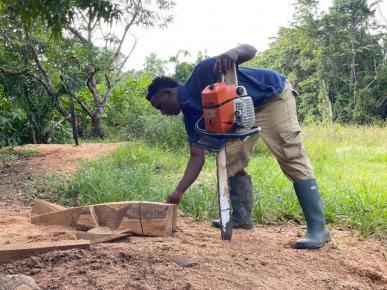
column 174, row 197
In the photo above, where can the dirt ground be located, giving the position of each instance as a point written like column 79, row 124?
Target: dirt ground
column 258, row 259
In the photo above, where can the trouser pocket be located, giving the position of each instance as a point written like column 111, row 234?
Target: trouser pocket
column 291, row 142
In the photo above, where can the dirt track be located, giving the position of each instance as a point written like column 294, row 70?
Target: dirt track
column 257, row 259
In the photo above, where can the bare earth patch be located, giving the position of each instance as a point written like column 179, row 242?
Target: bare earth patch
column 62, row 158
column 65, row 157
column 258, row 259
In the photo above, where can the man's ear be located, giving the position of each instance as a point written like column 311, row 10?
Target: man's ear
column 172, row 92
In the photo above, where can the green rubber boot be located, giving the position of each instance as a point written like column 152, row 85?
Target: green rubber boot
column 310, row 200
column 241, row 195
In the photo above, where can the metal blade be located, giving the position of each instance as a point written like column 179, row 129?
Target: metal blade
column 224, row 196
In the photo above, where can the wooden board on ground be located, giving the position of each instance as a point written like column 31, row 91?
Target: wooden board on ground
column 85, row 222
column 21, row 251
column 136, row 217
column 131, row 225
column 41, row 206
column 146, row 218
column 100, row 238
column 174, row 219
column 66, row 217
column 101, row 231
column 108, row 216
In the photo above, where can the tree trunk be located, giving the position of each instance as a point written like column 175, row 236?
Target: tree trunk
column 96, row 126
column 33, row 135
column 73, row 121
column 329, row 109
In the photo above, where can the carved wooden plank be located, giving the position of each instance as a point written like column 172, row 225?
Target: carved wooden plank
column 119, row 204
column 85, row 209
column 101, row 231
column 157, row 227
column 138, row 217
column 144, row 218
column 41, row 206
column 174, row 219
column 102, row 235
column 100, row 238
column 130, row 225
column 67, row 217
column 156, row 218
column 108, row 216
column 85, row 222
column 94, row 215
column 21, row 251
column 153, row 210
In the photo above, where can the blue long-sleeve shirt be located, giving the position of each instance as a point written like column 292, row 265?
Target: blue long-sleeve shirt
column 261, row 85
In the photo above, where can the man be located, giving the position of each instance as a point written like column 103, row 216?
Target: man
column 275, row 108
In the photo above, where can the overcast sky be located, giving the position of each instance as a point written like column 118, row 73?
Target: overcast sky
column 215, row 26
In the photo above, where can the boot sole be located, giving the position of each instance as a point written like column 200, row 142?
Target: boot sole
column 243, row 227
column 311, row 246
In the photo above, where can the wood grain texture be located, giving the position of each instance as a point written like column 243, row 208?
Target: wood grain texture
column 174, row 219
column 137, row 217
column 21, row 251
column 143, row 218
column 85, row 222
column 66, row 217
column 41, row 206
column 100, row 238
column 108, row 216
column 101, row 230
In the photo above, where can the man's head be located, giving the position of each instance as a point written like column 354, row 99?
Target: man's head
column 162, row 93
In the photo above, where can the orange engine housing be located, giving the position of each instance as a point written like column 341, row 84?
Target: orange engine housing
column 218, row 107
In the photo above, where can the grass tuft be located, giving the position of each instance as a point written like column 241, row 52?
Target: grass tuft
column 9, row 155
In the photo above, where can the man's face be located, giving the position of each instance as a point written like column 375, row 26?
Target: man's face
column 166, row 101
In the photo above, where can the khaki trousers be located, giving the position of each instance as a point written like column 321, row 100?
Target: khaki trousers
column 282, row 134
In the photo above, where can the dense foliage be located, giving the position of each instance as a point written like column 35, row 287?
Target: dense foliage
column 42, row 76
column 336, row 60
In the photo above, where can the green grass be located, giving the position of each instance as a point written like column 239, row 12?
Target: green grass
column 9, row 155
column 350, row 165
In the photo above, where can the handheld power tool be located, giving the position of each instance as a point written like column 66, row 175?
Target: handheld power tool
column 228, row 113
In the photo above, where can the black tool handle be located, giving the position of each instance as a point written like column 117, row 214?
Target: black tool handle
column 228, row 136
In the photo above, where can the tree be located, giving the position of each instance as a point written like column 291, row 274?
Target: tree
column 352, row 59
column 76, row 66
column 336, row 60
column 24, row 89
column 58, row 14
column 154, row 65
column 184, row 68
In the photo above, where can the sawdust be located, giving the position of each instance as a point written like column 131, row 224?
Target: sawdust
column 258, row 259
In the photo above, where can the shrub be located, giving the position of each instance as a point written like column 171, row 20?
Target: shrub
column 167, row 132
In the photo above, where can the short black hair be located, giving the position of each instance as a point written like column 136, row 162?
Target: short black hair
column 160, row 83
